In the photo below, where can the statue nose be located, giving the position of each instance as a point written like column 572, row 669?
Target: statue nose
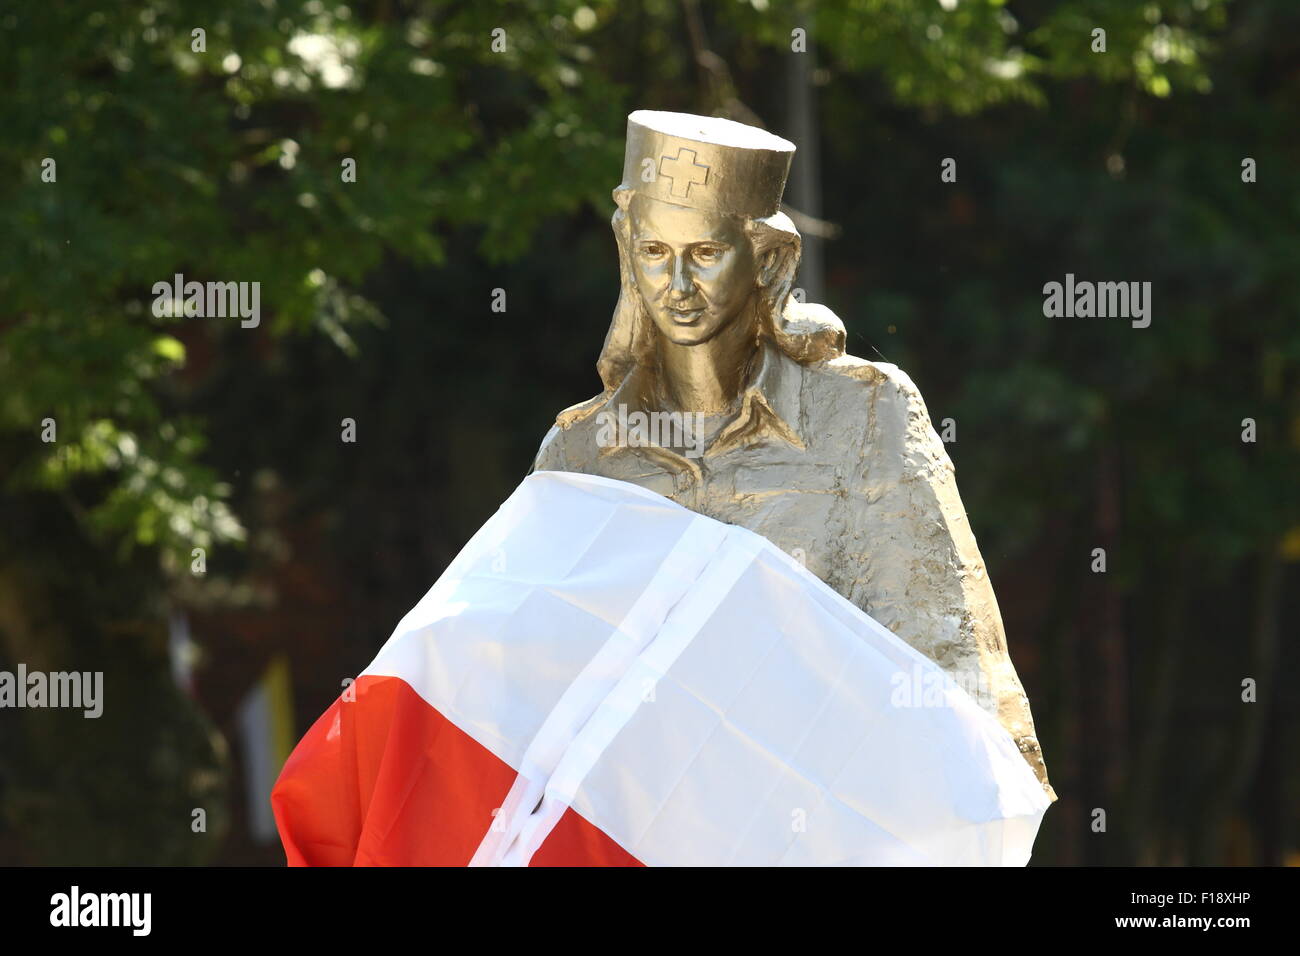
column 682, row 283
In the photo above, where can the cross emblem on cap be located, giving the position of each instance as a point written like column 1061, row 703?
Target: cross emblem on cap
column 683, row 172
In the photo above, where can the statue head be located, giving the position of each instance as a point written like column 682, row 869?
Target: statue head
column 703, row 243
column 696, row 270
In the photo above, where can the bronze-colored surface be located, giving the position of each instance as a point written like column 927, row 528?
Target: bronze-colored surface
column 830, row 457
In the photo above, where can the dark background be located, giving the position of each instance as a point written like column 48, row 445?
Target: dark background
column 480, row 170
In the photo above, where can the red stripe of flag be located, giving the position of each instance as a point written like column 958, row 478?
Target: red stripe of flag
column 386, row 780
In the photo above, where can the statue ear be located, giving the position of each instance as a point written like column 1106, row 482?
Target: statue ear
column 770, row 261
column 776, row 252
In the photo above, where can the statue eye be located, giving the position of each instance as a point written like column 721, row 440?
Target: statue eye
column 707, row 254
column 653, row 250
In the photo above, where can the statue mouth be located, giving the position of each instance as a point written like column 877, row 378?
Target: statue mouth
column 684, row 316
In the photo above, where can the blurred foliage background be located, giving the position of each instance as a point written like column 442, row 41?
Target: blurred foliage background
column 481, row 169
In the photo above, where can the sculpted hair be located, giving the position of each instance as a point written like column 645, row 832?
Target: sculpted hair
column 630, row 339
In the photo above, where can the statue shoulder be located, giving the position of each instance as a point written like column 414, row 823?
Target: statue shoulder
column 814, row 336
column 580, row 412
column 553, row 455
column 882, row 381
column 897, row 415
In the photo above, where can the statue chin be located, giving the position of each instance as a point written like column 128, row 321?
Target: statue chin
column 687, row 335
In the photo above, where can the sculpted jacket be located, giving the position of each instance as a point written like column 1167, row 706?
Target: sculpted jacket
column 836, row 463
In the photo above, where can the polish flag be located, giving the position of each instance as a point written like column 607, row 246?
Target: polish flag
column 605, row 678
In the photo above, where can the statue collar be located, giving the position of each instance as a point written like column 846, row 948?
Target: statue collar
column 770, row 406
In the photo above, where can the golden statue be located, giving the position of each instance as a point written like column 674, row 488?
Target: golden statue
column 726, row 394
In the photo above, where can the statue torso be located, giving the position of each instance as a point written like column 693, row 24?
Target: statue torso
column 837, row 464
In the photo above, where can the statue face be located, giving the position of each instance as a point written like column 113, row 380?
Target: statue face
column 695, row 270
